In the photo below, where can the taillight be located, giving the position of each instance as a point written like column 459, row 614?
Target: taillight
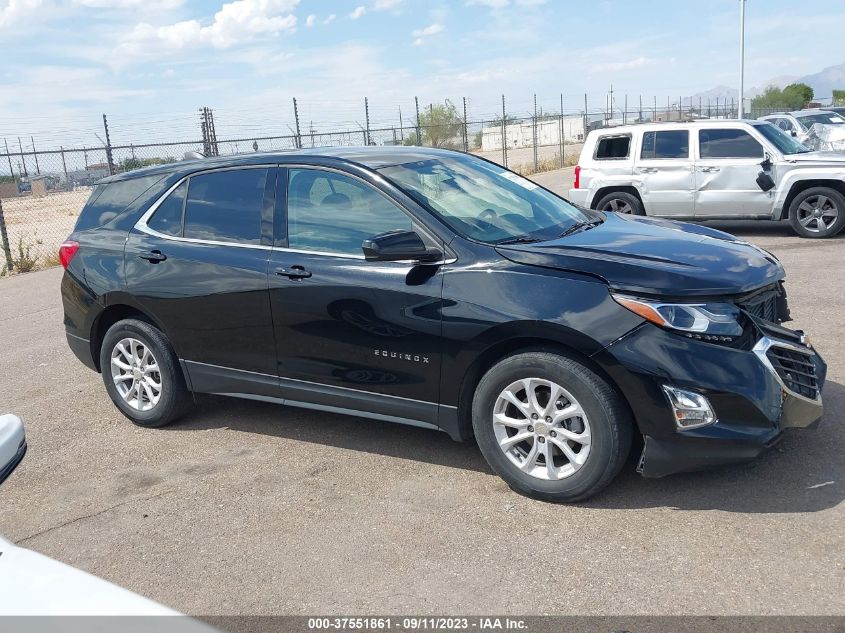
column 66, row 252
column 577, row 177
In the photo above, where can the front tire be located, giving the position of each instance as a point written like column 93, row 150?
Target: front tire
column 550, row 427
column 142, row 375
column 621, row 202
column 817, row 212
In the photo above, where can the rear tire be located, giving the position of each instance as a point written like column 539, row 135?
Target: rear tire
column 142, row 374
column 621, row 202
column 817, row 212
column 574, row 417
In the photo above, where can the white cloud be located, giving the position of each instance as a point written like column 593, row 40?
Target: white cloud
column 628, row 64
column 16, row 9
column 235, row 22
column 420, row 34
column 358, row 12
column 310, row 20
column 500, row 4
column 386, row 5
column 332, row 17
column 130, row 4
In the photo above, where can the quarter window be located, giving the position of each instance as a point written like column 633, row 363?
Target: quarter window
column 728, row 144
column 225, row 206
column 665, row 144
column 333, row 213
column 610, row 147
column 168, row 217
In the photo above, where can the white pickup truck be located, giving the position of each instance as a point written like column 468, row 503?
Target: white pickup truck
column 712, row 170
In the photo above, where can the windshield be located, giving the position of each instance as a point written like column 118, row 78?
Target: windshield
column 827, row 118
column 483, row 201
column 780, row 139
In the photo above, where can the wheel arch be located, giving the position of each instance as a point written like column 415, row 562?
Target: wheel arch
column 603, row 191
column 111, row 314
column 507, row 347
column 802, row 185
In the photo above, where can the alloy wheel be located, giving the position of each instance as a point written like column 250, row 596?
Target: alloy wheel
column 542, row 429
column 618, row 206
column 817, row 214
column 136, row 374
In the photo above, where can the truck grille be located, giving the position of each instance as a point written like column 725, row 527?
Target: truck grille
column 795, row 369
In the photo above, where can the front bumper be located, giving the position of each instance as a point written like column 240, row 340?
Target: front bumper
column 753, row 404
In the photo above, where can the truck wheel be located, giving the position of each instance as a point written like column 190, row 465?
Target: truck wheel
column 550, row 427
column 142, row 375
column 817, row 212
column 621, row 202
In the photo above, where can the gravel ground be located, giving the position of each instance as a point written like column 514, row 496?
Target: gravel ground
column 251, row 508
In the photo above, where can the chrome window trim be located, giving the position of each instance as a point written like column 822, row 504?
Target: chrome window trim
column 141, row 224
column 764, row 344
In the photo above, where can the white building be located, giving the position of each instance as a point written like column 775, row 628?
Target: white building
column 522, row 134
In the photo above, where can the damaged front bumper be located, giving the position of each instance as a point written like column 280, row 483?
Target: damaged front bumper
column 756, row 394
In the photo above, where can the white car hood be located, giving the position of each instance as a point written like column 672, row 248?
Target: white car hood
column 827, row 158
column 33, row 584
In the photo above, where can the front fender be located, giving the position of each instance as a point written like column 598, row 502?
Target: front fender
column 792, row 175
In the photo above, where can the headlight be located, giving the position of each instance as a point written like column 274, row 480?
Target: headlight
column 705, row 321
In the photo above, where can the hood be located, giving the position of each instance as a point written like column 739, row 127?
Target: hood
column 824, row 158
column 656, row 257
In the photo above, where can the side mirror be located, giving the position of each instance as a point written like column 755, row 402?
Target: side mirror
column 12, row 444
column 765, row 181
column 395, row 246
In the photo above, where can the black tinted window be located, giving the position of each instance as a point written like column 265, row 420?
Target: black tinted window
column 225, row 206
column 168, row 217
column 728, row 144
column 666, row 144
column 613, row 147
column 108, row 200
column 333, row 213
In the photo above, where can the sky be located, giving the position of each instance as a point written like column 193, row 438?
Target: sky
column 150, row 64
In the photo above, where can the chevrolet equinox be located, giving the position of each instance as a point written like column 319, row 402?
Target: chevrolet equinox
column 437, row 289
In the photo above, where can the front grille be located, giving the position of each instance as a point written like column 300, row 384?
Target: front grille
column 763, row 306
column 796, row 370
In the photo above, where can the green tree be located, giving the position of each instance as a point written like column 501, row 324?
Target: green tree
column 441, row 126
column 839, row 97
column 793, row 97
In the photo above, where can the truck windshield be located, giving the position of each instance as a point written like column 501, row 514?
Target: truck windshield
column 780, row 139
column 484, row 201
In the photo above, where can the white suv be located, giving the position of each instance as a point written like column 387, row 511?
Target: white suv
column 714, row 169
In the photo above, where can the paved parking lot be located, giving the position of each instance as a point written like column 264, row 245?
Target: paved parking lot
column 252, row 508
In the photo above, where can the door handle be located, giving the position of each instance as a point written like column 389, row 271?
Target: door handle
column 648, row 170
column 154, row 257
column 294, row 272
column 708, row 170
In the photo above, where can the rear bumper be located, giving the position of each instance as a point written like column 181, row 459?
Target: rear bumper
column 750, row 401
column 81, row 348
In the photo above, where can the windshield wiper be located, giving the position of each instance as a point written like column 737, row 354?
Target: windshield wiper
column 580, row 226
column 519, row 239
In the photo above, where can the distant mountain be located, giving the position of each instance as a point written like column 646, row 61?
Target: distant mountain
column 823, row 84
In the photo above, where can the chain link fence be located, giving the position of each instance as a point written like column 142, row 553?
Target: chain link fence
column 42, row 192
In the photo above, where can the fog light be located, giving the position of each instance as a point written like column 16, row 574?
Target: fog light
column 691, row 409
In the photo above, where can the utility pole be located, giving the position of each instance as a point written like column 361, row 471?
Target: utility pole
column 417, row 106
column 401, row 128
column 504, row 135
column 741, row 112
column 535, row 132
column 23, row 158
column 625, row 112
column 466, row 140
column 109, row 157
column 35, row 153
column 64, row 164
column 9, row 156
column 296, row 118
column 585, row 116
column 367, row 119
column 562, row 135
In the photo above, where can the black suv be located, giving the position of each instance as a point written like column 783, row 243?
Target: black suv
column 437, row 289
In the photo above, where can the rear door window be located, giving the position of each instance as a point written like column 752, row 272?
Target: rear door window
column 613, row 147
column 665, row 144
column 226, row 206
column 728, row 143
column 168, row 217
